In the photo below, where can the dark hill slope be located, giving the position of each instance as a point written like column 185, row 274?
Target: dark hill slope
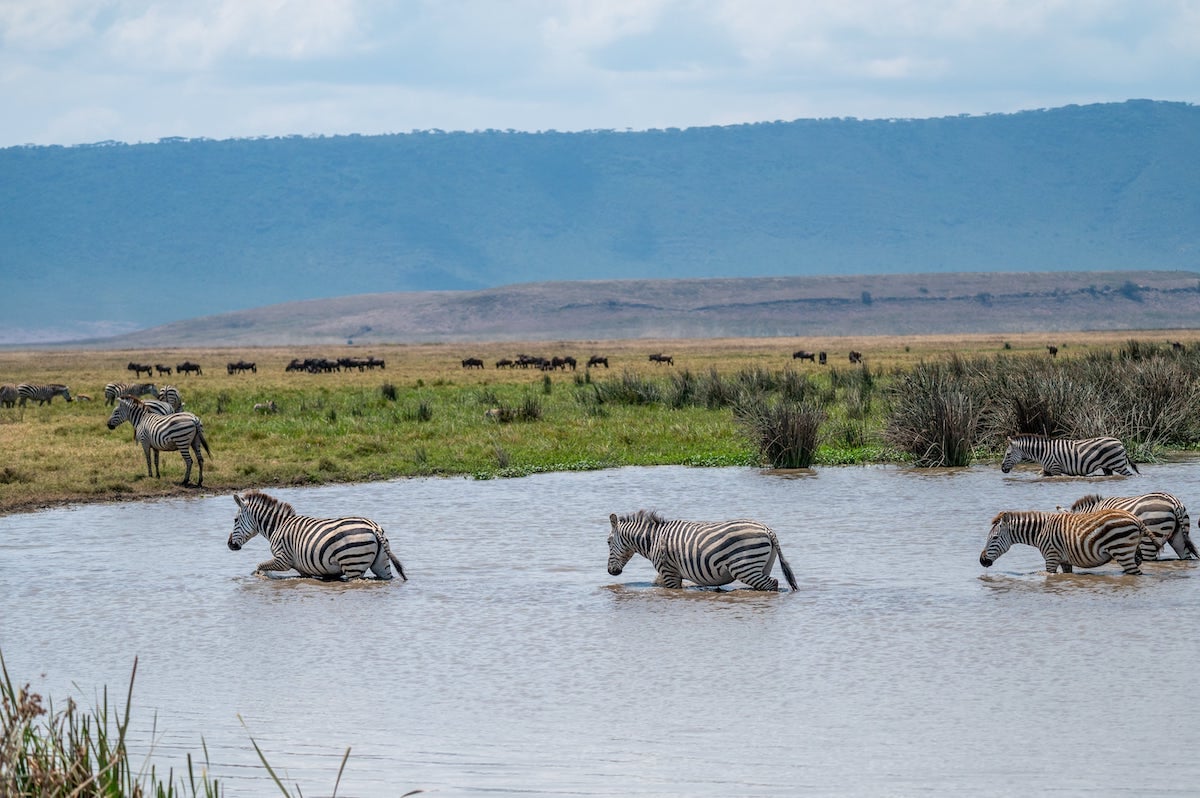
column 763, row 307
column 152, row 233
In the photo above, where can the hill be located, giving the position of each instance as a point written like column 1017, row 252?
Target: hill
column 115, row 236
column 718, row 308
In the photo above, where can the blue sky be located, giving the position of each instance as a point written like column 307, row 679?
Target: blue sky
column 76, row 71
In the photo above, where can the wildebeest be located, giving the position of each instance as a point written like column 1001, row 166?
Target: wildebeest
column 1053, row 350
column 188, row 367
column 596, row 360
column 138, row 368
column 240, row 366
column 162, row 369
column 855, row 357
column 822, row 358
column 504, row 363
column 472, row 363
column 659, row 357
column 804, row 355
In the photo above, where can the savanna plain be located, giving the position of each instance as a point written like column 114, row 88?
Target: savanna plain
column 425, row 414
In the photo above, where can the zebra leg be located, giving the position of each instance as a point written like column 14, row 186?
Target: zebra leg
column 146, row 449
column 1129, row 562
column 669, row 578
column 760, row 581
column 187, row 461
column 199, row 462
column 274, row 564
column 1052, row 565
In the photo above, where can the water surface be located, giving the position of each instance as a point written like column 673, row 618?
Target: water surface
column 512, row 663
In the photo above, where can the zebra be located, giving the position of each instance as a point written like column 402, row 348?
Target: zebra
column 8, row 395
column 170, row 394
column 170, row 433
column 331, row 548
column 44, row 394
column 115, row 389
column 710, row 554
column 1163, row 514
column 1059, row 456
column 1066, row 540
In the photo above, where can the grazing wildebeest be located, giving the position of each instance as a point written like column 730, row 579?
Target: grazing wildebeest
column 1177, row 346
column 822, row 358
column 596, row 360
column 1053, row 350
column 504, row 363
column 187, row 367
column 138, row 368
column 162, row 369
column 472, row 363
column 855, row 357
column 240, row 366
column 804, row 355
column 659, row 357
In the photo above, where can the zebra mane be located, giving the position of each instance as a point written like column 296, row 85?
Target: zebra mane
column 269, row 501
column 1086, row 501
column 643, row 517
column 1027, row 436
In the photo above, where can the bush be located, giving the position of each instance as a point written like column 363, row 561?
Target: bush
column 935, row 419
column 785, row 434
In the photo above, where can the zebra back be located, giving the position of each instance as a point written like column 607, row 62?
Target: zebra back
column 1164, row 515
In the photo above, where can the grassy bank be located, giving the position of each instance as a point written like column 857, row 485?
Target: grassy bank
column 424, row 414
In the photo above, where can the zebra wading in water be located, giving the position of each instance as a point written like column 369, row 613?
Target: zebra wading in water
column 175, row 432
column 1163, row 514
column 709, row 554
column 326, row 548
column 42, row 394
column 1069, row 540
column 1069, row 457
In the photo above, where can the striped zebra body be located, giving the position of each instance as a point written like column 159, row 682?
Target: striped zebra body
column 1163, row 514
column 705, row 553
column 170, row 394
column 179, row 432
column 114, row 390
column 8, row 395
column 43, row 394
column 1067, row 540
column 1066, row 456
column 330, row 548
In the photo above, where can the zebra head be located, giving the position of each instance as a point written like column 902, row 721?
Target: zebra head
column 120, row 413
column 1013, row 455
column 245, row 524
column 620, row 547
column 999, row 540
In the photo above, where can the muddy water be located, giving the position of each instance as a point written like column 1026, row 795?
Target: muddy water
column 511, row 662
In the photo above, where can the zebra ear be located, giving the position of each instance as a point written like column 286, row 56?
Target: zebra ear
column 612, row 519
column 239, row 501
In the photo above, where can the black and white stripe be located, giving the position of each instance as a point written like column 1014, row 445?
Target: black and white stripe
column 116, row 389
column 170, row 394
column 334, row 548
column 175, row 432
column 1066, row 456
column 1067, row 540
column 700, row 552
column 1163, row 514
column 44, row 394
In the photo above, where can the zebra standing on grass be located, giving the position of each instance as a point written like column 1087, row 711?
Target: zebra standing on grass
column 1065, row 456
column 1067, row 540
column 44, row 394
column 1163, row 514
column 8, row 395
column 170, row 394
column 708, row 554
column 331, row 548
column 176, row 432
column 115, row 389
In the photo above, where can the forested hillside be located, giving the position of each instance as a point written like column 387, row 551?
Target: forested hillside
column 137, row 235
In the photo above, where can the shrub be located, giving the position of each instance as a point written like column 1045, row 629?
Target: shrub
column 785, row 434
column 934, row 417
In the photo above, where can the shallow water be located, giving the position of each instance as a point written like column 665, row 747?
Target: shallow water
column 511, row 662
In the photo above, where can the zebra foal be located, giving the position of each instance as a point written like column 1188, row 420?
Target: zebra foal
column 163, row 433
column 1163, row 514
column 1068, row 540
column 42, row 394
column 709, row 554
column 328, row 548
column 1066, row 456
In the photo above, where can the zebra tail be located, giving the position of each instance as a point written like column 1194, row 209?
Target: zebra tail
column 787, row 569
column 203, row 440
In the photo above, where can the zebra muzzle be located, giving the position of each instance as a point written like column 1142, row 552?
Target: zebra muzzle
column 985, row 561
column 235, row 546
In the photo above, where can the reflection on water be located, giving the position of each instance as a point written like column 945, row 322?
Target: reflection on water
column 511, row 662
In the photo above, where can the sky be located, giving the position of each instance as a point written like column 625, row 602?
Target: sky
column 83, row 71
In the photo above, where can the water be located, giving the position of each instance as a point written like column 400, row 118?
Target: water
column 512, row 663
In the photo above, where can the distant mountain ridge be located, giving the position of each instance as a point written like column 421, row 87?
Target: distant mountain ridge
column 714, row 308
column 125, row 236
